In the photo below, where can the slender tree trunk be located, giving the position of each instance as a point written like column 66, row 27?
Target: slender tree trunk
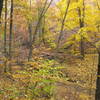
column 43, row 12
column 1, row 6
column 11, row 33
column 30, row 40
column 43, row 31
column 41, row 27
column 5, row 27
column 97, row 94
column 62, row 26
column 81, row 23
column 5, row 35
column 30, row 34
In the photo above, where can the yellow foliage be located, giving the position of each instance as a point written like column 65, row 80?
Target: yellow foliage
column 20, row 76
column 84, row 97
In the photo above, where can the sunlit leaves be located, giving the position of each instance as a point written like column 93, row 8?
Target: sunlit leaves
column 98, row 45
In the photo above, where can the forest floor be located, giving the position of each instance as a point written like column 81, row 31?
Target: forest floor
column 80, row 75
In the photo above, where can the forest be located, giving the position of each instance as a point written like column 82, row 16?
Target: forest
column 49, row 49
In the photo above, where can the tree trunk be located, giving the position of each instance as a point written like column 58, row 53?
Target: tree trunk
column 11, row 32
column 81, row 14
column 1, row 6
column 97, row 94
column 30, row 41
column 62, row 26
column 43, row 31
column 43, row 12
column 5, row 27
column 5, row 35
column 30, row 34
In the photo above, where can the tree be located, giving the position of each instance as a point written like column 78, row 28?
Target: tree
column 11, row 33
column 5, row 34
column 81, row 14
column 1, row 6
column 97, row 95
column 5, row 29
column 43, row 12
column 63, row 22
column 30, row 30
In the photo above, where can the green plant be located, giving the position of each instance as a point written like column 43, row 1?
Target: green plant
column 39, row 79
